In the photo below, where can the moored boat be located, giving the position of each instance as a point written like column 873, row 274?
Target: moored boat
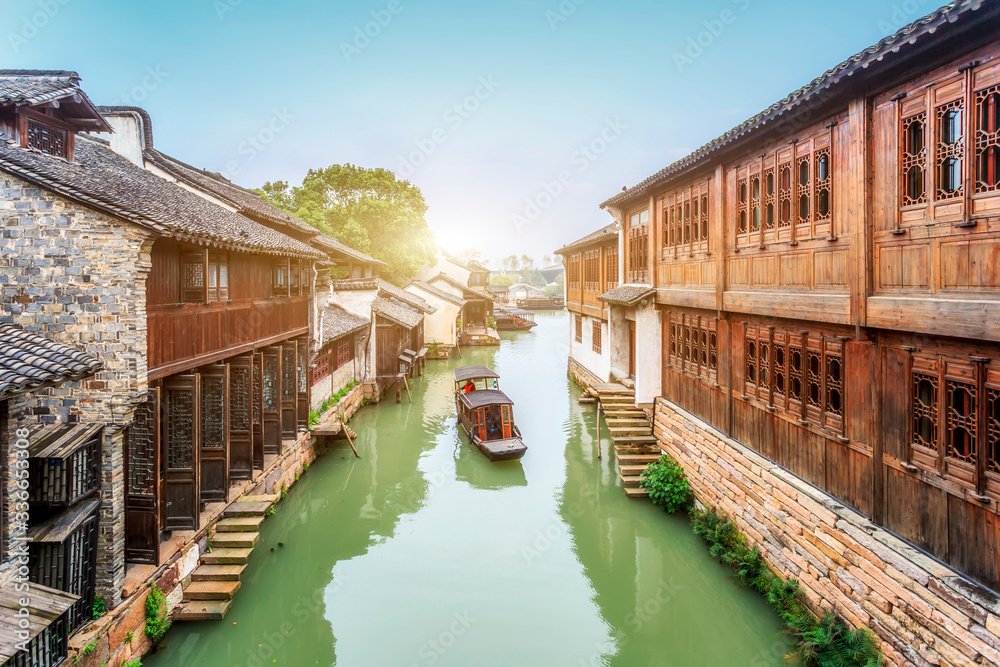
column 542, row 303
column 514, row 319
column 486, row 414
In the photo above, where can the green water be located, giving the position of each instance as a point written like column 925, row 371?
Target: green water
column 422, row 552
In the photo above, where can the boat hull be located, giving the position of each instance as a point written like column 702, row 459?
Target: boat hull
column 501, row 450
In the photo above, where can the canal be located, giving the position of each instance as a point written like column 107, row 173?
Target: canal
column 422, row 552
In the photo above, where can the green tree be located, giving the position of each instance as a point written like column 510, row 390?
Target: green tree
column 501, row 280
column 368, row 209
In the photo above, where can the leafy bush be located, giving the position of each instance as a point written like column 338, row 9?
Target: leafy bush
column 135, row 663
column 157, row 621
column 667, row 484
column 98, row 609
column 821, row 642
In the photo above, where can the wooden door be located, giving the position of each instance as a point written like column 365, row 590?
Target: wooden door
column 302, row 366
column 181, row 418
column 289, row 390
column 241, row 384
column 214, row 434
column 271, row 400
column 506, row 421
column 142, row 479
column 387, row 350
column 257, row 446
column 631, row 349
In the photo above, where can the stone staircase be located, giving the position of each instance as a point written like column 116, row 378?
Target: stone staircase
column 217, row 577
column 632, row 435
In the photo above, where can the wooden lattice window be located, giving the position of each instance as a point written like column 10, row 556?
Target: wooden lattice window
column 962, row 420
column 925, row 410
column 703, row 218
column 987, row 139
column 913, row 159
column 279, row 278
column 305, row 270
column 345, row 351
column 795, row 373
column 611, row 267
column 742, row 205
column 785, row 195
column 691, row 345
column 769, row 199
column 751, row 368
column 293, row 278
column 288, row 379
column 213, row 411
column 596, row 337
column 573, row 272
column 833, row 397
column 193, row 278
column 321, row 367
column 46, row 138
column 639, row 247
column 950, row 153
column 592, row 270
column 579, row 329
column 780, row 368
column 814, row 368
column 755, row 202
column 993, row 428
column 218, row 277
column 804, row 189
column 824, row 179
column 269, row 383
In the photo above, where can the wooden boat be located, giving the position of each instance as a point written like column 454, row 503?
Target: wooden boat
column 514, row 319
column 486, row 414
column 542, row 303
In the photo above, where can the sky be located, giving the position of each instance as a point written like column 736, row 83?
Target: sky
column 515, row 118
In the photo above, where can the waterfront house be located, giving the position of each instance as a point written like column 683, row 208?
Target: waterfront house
column 592, row 268
column 60, row 455
column 815, row 292
column 466, row 285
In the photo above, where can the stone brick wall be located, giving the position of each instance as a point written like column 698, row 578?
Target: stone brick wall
column 333, row 383
column 924, row 612
column 78, row 277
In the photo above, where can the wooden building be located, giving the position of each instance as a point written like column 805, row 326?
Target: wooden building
column 52, row 556
column 592, row 268
column 466, row 287
column 821, row 284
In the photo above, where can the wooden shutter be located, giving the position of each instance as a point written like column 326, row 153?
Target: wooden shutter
column 241, row 386
column 181, row 420
column 859, row 391
column 271, row 400
column 214, row 434
column 302, row 373
column 257, row 446
column 289, row 390
column 142, row 480
column 895, row 402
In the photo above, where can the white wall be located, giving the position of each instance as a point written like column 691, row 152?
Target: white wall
column 648, row 357
column 439, row 327
column 583, row 353
column 359, row 302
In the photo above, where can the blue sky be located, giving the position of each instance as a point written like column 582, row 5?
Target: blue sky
column 516, row 118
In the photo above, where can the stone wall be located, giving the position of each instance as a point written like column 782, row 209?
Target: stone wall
column 583, row 377
column 924, row 612
column 78, row 277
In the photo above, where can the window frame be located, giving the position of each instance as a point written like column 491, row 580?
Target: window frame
column 597, row 343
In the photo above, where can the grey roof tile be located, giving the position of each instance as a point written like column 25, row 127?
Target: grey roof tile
column 603, row 234
column 29, row 361
column 396, row 312
column 338, row 323
column 102, row 179
column 627, row 295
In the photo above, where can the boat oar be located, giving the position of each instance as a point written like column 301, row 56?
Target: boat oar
column 343, row 427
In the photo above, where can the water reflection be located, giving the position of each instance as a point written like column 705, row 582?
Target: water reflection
column 423, row 552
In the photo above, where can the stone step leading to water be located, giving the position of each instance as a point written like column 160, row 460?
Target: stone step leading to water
column 235, row 540
column 226, row 556
column 201, row 610
column 633, row 439
column 218, row 573
column 629, row 430
column 211, row 590
column 637, row 459
column 247, row 508
column 631, row 470
column 248, row 524
column 630, row 481
column 636, row 492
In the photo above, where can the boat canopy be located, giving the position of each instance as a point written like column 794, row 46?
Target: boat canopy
column 473, row 373
column 484, row 397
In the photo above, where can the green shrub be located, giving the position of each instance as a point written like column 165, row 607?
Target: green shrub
column 821, row 642
column 667, row 484
column 313, row 419
column 98, row 609
column 157, row 621
column 135, row 663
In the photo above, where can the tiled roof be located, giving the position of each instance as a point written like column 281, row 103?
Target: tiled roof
column 441, row 294
column 626, row 295
column 396, row 312
column 31, row 87
column 468, row 291
column 338, row 323
column 329, row 244
column 822, row 85
column 386, row 288
column 601, row 235
column 102, row 179
column 248, row 203
column 29, row 361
